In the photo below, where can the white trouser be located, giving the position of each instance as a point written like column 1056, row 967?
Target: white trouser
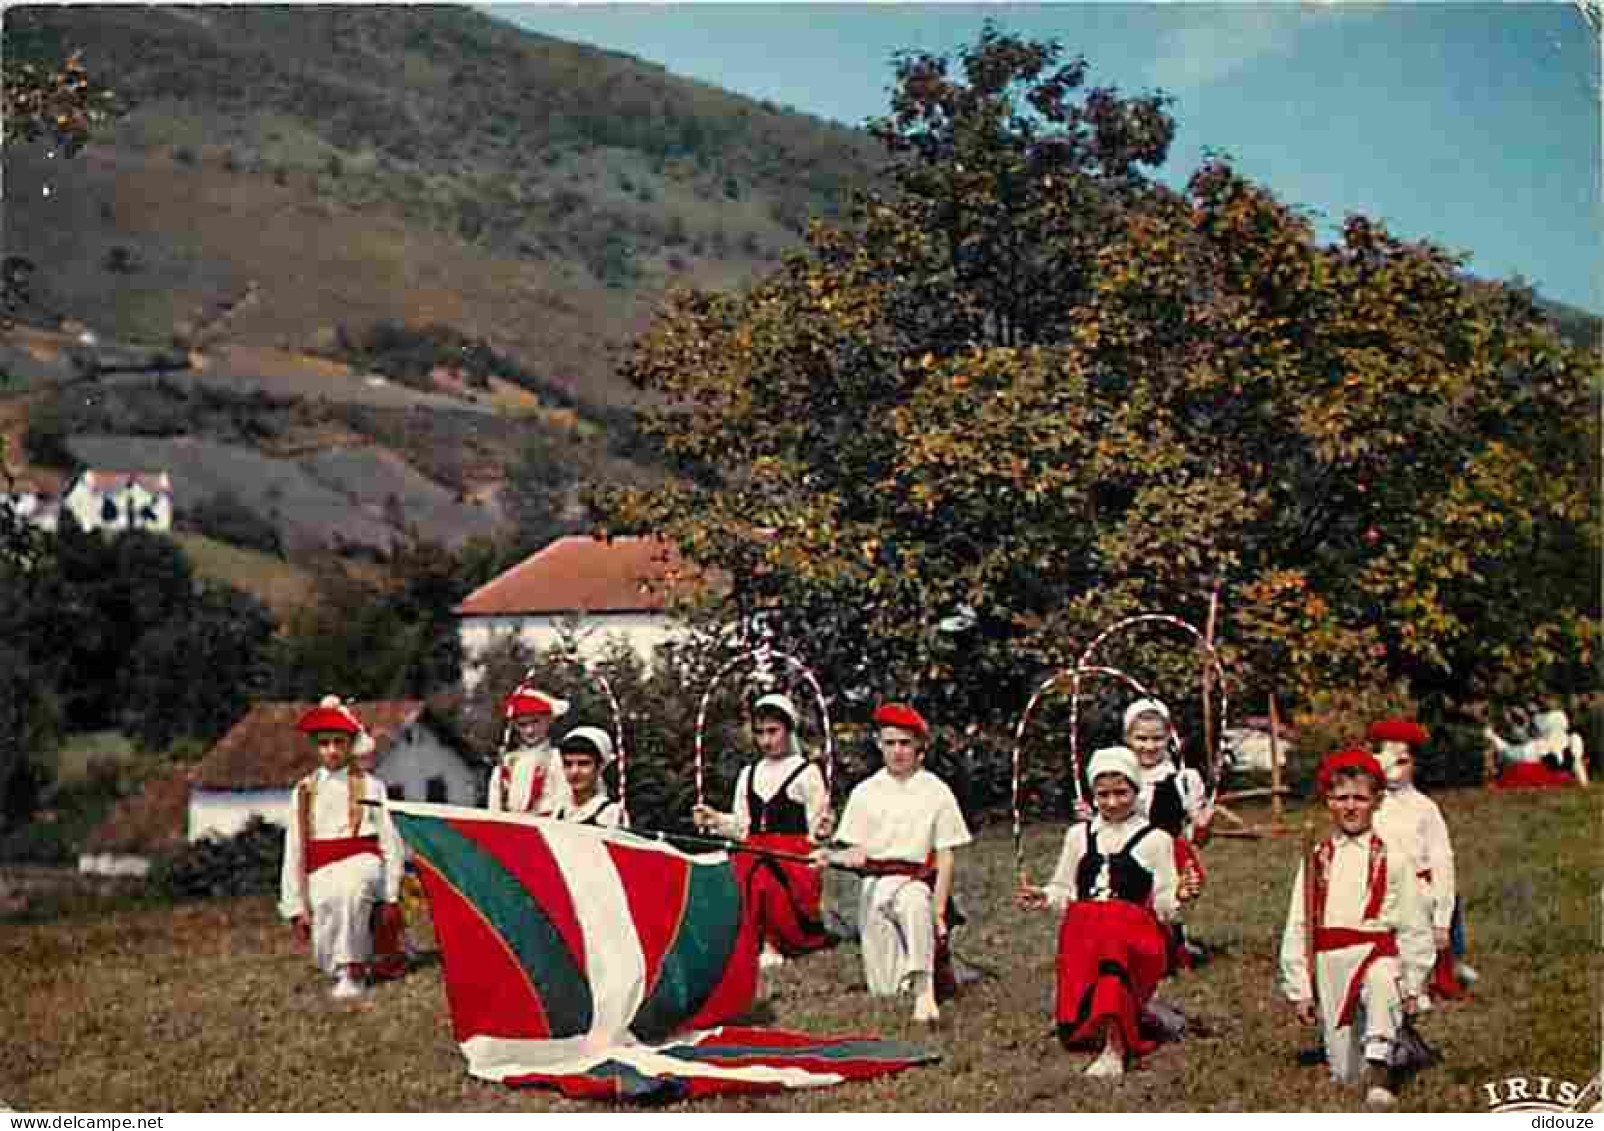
column 897, row 930
column 1374, row 1024
column 342, row 896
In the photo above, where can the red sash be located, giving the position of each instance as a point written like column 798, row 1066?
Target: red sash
column 537, row 785
column 331, row 850
column 1383, row 944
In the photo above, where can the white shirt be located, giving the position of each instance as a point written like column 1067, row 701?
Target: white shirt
column 903, row 820
column 1347, row 893
column 1409, row 818
column 1156, row 853
column 607, row 812
column 522, row 765
column 771, row 773
column 330, row 819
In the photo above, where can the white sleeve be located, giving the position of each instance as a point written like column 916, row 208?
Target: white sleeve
column 949, row 829
column 390, row 846
column 740, row 823
column 291, row 902
column 1407, row 917
column 555, row 792
column 855, row 820
column 1061, row 888
column 1440, row 859
column 810, row 790
column 1157, row 852
column 1295, row 972
column 493, row 798
column 1193, row 792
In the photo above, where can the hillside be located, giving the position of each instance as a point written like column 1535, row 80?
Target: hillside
column 257, row 1032
column 351, row 265
column 342, row 165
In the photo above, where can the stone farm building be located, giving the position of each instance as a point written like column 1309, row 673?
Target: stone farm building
column 120, row 500
column 597, row 591
column 253, row 769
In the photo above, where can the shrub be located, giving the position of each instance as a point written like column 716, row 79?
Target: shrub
column 247, row 863
column 225, row 517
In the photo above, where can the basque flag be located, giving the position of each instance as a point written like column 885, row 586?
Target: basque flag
column 573, row 954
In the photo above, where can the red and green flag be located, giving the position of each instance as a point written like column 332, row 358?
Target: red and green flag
column 606, row 964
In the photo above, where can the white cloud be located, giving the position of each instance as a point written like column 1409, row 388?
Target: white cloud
column 1217, row 42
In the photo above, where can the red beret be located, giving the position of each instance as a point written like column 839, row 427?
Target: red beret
column 1398, row 730
column 525, row 702
column 903, row 717
column 320, row 720
column 1361, row 760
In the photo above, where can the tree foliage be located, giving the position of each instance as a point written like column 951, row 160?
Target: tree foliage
column 1027, row 389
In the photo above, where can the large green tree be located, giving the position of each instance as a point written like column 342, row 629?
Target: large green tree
column 1026, row 389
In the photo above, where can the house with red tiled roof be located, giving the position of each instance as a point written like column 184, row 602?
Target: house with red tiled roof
column 592, row 591
column 120, row 500
column 252, row 769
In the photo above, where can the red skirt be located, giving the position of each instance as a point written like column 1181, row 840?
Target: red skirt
column 1531, row 775
column 782, row 896
column 1111, row 956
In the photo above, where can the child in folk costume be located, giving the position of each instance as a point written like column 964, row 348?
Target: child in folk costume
column 1173, row 799
column 389, row 927
column 1116, row 883
column 902, row 824
column 586, row 752
column 341, row 857
column 781, row 804
column 1412, row 820
column 1357, row 948
column 529, row 778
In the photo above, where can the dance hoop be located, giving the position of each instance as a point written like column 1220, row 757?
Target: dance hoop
column 1075, row 675
column 760, row 659
column 529, row 683
column 1211, row 757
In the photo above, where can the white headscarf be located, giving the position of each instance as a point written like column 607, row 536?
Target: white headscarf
column 775, row 701
column 597, row 737
column 1146, row 707
column 1115, row 760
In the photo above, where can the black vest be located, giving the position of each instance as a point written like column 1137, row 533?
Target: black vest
column 1128, row 878
column 779, row 814
column 1165, row 811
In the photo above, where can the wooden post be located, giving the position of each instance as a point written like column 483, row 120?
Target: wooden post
column 1275, row 762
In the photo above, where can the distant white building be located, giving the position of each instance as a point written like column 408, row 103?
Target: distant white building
column 34, row 506
column 596, row 592
column 254, row 767
column 120, row 500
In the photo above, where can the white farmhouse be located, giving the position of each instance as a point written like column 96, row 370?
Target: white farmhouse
column 595, row 592
column 33, row 505
column 120, row 500
column 254, row 767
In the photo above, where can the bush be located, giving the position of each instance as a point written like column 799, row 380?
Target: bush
column 227, row 519
column 248, row 863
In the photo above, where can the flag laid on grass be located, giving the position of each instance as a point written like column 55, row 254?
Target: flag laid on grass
column 571, row 954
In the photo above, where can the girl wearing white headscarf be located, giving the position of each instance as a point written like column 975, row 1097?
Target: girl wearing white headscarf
column 1116, row 884
column 781, row 804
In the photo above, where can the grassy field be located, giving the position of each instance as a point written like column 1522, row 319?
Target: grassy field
column 208, row 1006
column 282, row 587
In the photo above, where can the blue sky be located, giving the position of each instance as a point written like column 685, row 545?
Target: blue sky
column 1476, row 126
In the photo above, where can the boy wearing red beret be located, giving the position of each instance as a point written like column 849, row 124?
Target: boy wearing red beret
column 341, row 858
column 902, row 816
column 1357, row 949
column 1412, row 820
column 529, row 778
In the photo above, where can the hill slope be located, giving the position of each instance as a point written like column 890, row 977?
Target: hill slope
column 422, row 164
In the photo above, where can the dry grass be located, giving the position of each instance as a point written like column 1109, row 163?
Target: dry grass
column 208, row 1007
column 280, row 586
